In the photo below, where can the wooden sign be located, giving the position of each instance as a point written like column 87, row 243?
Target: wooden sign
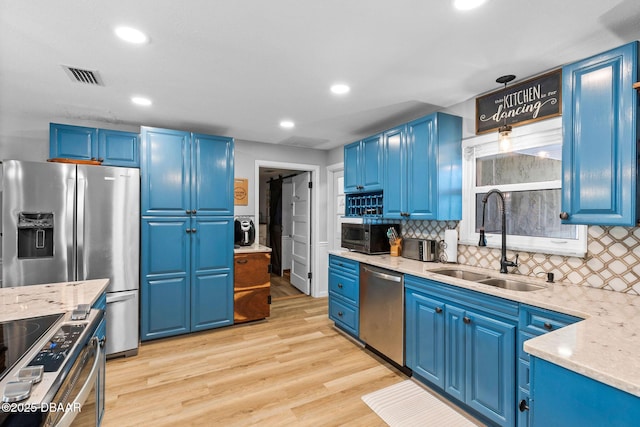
column 241, row 191
column 527, row 102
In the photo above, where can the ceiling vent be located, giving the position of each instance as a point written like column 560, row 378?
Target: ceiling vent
column 79, row 75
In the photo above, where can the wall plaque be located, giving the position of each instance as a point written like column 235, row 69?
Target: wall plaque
column 241, row 191
column 526, row 102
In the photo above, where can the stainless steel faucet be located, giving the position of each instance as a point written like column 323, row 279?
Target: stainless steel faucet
column 504, row 263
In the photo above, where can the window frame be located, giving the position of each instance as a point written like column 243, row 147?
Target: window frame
column 535, row 135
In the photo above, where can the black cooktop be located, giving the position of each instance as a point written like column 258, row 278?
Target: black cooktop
column 18, row 336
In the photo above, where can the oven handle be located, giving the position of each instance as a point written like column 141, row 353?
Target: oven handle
column 69, row 416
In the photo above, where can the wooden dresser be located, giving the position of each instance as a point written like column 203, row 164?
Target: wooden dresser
column 252, row 286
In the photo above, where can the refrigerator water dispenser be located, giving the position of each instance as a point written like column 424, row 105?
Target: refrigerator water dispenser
column 35, row 235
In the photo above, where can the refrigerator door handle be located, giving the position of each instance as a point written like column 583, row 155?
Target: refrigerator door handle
column 80, row 228
column 70, row 227
column 120, row 297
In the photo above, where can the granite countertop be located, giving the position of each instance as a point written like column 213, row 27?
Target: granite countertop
column 604, row 346
column 251, row 249
column 39, row 300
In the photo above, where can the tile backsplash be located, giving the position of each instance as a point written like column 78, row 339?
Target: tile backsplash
column 612, row 261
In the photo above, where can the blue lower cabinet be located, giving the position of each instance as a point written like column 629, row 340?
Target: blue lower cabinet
column 101, row 302
column 534, row 321
column 466, row 353
column 344, row 294
column 490, row 369
column 186, row 275
column 560, row 397
column 425, row 337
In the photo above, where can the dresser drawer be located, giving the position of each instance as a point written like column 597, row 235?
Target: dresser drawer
column 344, row 285
column 344, row 315
column 538, row 321
column 344, row 264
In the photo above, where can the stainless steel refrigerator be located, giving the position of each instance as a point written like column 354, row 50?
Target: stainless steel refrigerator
column 66, row 222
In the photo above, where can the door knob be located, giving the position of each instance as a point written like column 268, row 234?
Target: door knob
column 438, row 310
column 340, row 285
column 564, row 215
column 466, row 320
column 523, row 405
column 548, row 326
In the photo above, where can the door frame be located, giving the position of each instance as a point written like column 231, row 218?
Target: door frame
column 314, row 170
column 332, row 171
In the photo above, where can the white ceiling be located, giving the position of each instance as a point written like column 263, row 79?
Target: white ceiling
column 238, row 67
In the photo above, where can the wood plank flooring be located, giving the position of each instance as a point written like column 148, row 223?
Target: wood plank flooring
column 281, row 287
column 293, row 369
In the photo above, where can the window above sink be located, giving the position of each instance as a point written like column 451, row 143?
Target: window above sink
column 529, row 175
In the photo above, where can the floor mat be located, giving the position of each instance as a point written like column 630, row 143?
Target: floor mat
column 407, row 404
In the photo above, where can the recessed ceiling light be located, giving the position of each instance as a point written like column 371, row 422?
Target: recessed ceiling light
column 340, row 89
column 139, row 100
column 131, row 35
column 287, row 124
column 467, row 4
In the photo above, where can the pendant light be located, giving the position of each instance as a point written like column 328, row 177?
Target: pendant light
column 504, row 131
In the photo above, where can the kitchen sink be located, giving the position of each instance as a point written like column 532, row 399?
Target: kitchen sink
column 512, row 285
column 498, row 282
column 462, row 274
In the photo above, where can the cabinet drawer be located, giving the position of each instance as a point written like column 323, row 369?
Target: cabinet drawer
column 538, row 321
column 346, row 265
column 345, row 286
column 344, row 315
column 251, row 270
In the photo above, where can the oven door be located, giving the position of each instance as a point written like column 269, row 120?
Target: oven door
column 354, row 236
column 85, row 378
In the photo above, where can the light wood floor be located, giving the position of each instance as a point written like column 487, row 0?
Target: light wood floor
column 293, row 369
column 281, row 287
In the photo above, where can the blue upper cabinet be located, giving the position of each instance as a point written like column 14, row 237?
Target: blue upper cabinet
column 184, row 173
column 165, row 171
column 363, row 165
column 599, row 157
column 423, row 169
column 117, row 148
column 212, row 175
column 72, row 142
column 112, row 147
column 352, row 167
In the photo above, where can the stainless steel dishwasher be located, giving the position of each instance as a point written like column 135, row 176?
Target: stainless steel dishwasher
column 382, row 311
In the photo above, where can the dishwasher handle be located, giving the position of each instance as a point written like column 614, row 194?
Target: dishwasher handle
column 383, row 276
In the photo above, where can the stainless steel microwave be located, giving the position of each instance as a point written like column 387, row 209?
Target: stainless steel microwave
column 367, row 238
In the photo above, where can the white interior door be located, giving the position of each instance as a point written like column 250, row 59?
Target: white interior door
column 286, row 246
column 301, row 232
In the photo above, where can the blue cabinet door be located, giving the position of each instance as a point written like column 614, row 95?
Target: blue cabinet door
column 352, row 167
column 165, row 172
column 455, row 352
column 212, row 275
column 490, row 367
column 165, row 282
column 394, row 183
column 371, row 165
column 420, row 168
column 211, row 175
column 425, row 337
column 72, row 142
column 117, row 148
column 599, row 124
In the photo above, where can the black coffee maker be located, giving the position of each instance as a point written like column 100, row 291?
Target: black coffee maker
column 245, row 232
